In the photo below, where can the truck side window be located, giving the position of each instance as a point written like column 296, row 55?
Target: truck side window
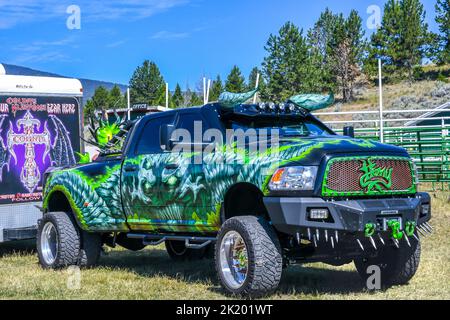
column 149, row 141
column 188, row 119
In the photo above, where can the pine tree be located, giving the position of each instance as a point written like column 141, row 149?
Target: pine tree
column 403, row 39
column 284, row 67
column 251, row 83
column 354, row 33
column 348, row 55
column 99, row 101
column 443, row 20
column 147, row 85
column 195, row 100
column 345, row 69
column 235, row 81
column 216, row 89
column 323, row 39
column 88, row 110
column 177, row 98
column 331, row 36
column 116, row 99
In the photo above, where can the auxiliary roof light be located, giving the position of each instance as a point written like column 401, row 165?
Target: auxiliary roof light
column 284, row 107
column 272, row 106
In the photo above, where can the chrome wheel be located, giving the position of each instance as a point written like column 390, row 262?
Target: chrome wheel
column 49, row 243
column 233, row 259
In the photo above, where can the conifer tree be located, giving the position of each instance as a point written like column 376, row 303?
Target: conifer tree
column 177, row 98
column 235, row 81
column 147, row 85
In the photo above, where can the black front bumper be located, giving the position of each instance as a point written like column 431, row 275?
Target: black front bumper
column 291, row 215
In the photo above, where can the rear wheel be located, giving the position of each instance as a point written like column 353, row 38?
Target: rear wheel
column 58, row 241
column 177, row 251
column 248, row 256
column 397, row 265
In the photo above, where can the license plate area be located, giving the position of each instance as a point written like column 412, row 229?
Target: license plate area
column 384, row 220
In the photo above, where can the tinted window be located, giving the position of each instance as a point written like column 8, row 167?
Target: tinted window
column 149, row 141
column 285, row 127
column 187, row 120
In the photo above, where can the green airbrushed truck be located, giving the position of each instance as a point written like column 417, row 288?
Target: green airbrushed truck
column 289, row 191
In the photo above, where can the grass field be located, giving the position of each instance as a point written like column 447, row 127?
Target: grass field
column 150, row 274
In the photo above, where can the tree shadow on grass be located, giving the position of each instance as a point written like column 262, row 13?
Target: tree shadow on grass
column 295, row 280
column 17, row 247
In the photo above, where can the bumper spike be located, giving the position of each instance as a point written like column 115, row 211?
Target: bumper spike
column 429, row 226
column 332, row 242
column 315, row 241
column 326, row 235
column 416, row 237
column 424, row 229
column 360, row 244
column 396, row 243
column 318, row 234
column 421, row 232
column 336, row 234
column 407, row 239
column 373, row 243
column 298, row 237
column 381, row 239
column 309, row 234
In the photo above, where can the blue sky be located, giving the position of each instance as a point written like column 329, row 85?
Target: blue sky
column 186, row 38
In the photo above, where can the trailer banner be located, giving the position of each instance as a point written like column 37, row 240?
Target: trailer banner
column 35, row 133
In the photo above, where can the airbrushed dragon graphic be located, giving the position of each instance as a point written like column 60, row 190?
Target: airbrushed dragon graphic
column 29, row 132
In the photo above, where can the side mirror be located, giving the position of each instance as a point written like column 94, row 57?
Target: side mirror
column 349, row 132
column 165, row 135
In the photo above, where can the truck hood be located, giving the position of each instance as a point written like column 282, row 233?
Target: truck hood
column 314, row 149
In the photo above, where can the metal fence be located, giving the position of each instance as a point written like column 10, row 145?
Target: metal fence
column 429, row 145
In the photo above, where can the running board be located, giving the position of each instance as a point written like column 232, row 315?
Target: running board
column 155, row 239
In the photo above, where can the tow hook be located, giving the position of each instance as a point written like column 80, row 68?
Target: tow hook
column 394, row 225
column 369, row 231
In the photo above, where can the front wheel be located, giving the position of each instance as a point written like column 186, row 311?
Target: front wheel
column 248, row 256
column 58, row 241
column 397, row 265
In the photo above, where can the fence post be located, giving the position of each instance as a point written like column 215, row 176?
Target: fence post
column 380, row 84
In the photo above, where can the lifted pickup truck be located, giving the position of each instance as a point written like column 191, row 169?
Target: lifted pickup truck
column 309, row 196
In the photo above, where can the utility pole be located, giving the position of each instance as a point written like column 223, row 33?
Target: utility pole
column 256, row 87
column 167, row 95
column 204, row 90
column 208, row 87
column 128, row 104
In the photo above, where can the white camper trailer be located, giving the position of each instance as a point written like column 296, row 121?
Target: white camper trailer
column 40, row 126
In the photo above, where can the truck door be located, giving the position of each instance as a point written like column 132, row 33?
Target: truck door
column 143, row 191
column 164, row 190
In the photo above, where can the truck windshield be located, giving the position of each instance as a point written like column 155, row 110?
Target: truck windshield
column 285, row 127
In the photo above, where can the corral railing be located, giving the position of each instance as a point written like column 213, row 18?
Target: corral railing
column 429, row 145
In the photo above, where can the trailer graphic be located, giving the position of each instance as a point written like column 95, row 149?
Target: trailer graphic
column 39, row 127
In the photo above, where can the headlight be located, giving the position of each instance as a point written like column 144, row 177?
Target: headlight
column 293, row 178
